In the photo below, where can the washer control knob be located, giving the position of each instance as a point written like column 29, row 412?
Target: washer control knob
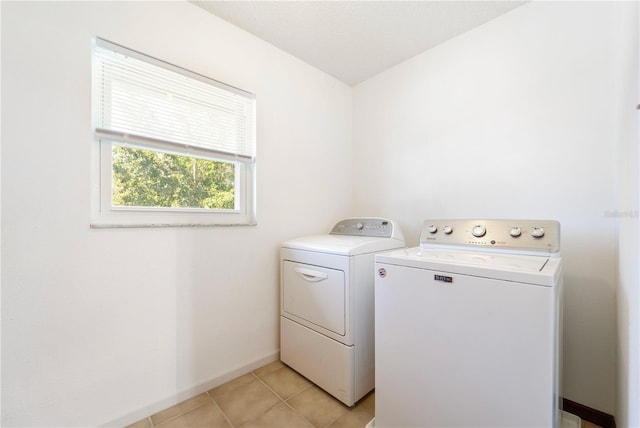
column 537, row 232
column 432, row 229
column 478, row 231
column 515, row 232
column 359, row 226
column 447, row 230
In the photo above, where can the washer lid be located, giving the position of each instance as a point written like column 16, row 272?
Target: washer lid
column 343, row 244
column 538, row 270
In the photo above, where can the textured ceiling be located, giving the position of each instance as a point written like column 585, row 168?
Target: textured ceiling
column 355, row 40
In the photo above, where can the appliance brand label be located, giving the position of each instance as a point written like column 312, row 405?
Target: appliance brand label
column 443, row 278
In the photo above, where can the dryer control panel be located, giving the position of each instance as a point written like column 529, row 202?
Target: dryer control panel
column 365, row 226
column 522, row 235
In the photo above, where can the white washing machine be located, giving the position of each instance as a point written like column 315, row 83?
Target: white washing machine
column 467, row 327
column 326, row 304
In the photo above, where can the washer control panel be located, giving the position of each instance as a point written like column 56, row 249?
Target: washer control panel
column 536, row 235
column 364, row 226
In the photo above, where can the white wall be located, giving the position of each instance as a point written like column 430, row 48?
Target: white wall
column 515, row 119
column 522, row 117
column 628, row 297
column 110, row 325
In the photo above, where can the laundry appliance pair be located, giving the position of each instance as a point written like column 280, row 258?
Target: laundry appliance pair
column 463, row 330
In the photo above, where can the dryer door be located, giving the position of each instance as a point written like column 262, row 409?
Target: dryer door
column 314, row 294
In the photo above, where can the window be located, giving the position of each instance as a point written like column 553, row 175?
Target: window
column 172, row 147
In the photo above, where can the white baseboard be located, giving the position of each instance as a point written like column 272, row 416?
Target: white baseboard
column 192, row 392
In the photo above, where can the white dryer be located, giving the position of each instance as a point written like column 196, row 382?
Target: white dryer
column 468, row 326
column 326, row 304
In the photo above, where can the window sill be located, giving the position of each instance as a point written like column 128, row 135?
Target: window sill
column 159, row 225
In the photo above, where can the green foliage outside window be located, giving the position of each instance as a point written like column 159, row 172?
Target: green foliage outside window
column 146, row 178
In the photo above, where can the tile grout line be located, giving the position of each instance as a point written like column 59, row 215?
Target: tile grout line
column 271, row 390
column 282, row 399
column 260, row 380
column 183, row 413
column 286, row 402
column 331, row 422
column 215, row 403
column 339, row 416
column 300, row 392
column 350, row 409
column 268, row 387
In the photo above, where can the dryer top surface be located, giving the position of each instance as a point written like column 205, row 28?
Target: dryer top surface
column 343, row 244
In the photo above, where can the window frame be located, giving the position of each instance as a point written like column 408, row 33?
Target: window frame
column 105, row 215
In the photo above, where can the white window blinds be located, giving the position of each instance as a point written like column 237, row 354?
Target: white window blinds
column 142, row 101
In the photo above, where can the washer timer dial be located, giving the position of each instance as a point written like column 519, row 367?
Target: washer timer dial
column 515, row 232
column 478, row 231
column 537, row 232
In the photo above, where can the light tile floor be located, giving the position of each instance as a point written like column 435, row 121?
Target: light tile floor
column 271, row 396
